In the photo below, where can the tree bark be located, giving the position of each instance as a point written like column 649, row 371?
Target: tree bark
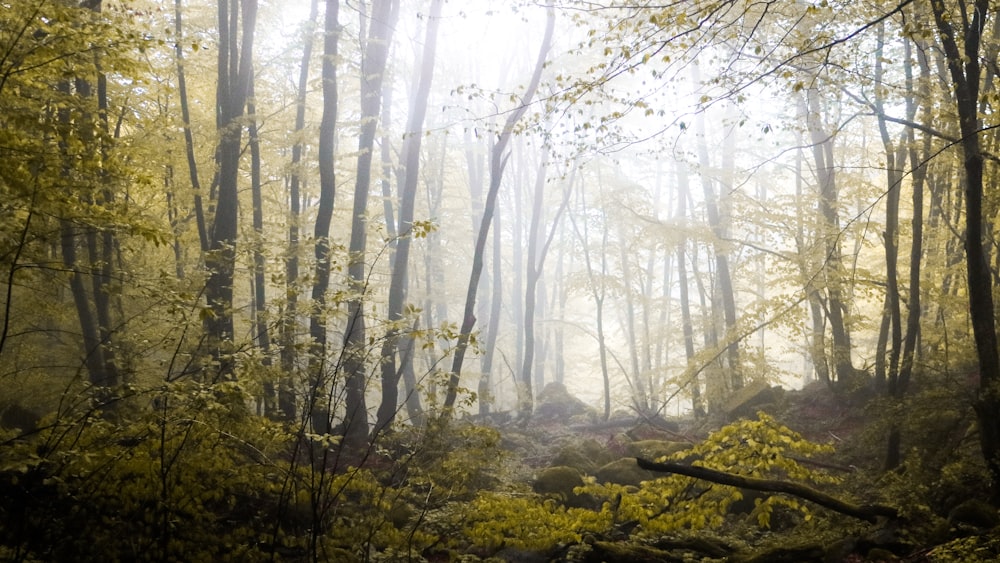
column 869, row 513
column 964, row 67
column 687, row 327
column 319, row 404
column 289, row 324
column 399, row 282
column 234, row 69
column 822, row 148
column 373, row 68
column 188, row 136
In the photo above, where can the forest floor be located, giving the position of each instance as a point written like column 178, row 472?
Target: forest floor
column 937, row 490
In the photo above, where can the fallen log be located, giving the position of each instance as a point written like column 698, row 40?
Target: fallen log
column 868, row 512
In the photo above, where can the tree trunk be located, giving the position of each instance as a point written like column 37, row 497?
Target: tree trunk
column 687, row 326
column 188, row 136
column 320, row 402
column 965, row 74
column 822, row 147
column 262, row 333
column 289, row 324
column 498, row 161
column 234, row 70
column 538, row 249
column 719, row 229
column 399, row 281
column 373, row 67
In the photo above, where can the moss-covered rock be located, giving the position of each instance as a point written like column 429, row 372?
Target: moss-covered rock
column 558, row 482
column 745, row 402
column 624, row 471
column 556, row 403
column 653, row 449
column 974, row 513
column 584, row 455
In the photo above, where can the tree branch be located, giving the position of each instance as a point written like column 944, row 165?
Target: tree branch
column 869, row 513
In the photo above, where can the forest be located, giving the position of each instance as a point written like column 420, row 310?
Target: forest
column 499, row 280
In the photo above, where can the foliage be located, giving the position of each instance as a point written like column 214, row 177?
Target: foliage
column 496, row 520
column 760, row 448
column 184, row 472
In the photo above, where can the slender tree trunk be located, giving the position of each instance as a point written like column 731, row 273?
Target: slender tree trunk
column 320, row 403
column 289, row 324
column 887, row 365
column 715, row 221
column 398, row 284
column 640, row 399
column 537, row 252
column 235, row 68
column 687, row 326
column 373, row 68
column 498, row 161
column 596, row 281
column 822, row 147
column 188, row 136
column 262, row 333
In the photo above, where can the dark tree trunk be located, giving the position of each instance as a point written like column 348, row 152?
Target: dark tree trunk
column 965, row 71
column 822, row 147
column 320, row 399
column 234, row 70
column 262, row 333
column 687, row 326
column 188, row 136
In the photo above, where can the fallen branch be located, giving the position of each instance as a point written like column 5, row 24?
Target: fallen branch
column 869, row 513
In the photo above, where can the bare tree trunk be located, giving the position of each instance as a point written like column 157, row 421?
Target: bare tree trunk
column 399, row 281
column 498, row 161
column 822, row 147
column 687, row 326
column 965, row 70
column 598, row 291
column 262, row 333
column 235, row 68
column 538, row 249
column 715, row 221
column 886, row 365
column 373, row 67
column 188, row 137
column 290, row 325
column 320, row 401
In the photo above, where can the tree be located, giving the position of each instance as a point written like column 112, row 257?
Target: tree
column 406, row 229
column 498, row 162
column 235, row 66
column 373, row 68
column 537, row 251
column 289, row 325
column 965, row 69
column 320, row 400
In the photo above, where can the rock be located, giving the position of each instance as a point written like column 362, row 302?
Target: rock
column 624, row 471
column 653, row 449
column 556, row 403
column 586, row 456
column 14, row 416
column 974, row 513
column 745, row 402
column 558, row 482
